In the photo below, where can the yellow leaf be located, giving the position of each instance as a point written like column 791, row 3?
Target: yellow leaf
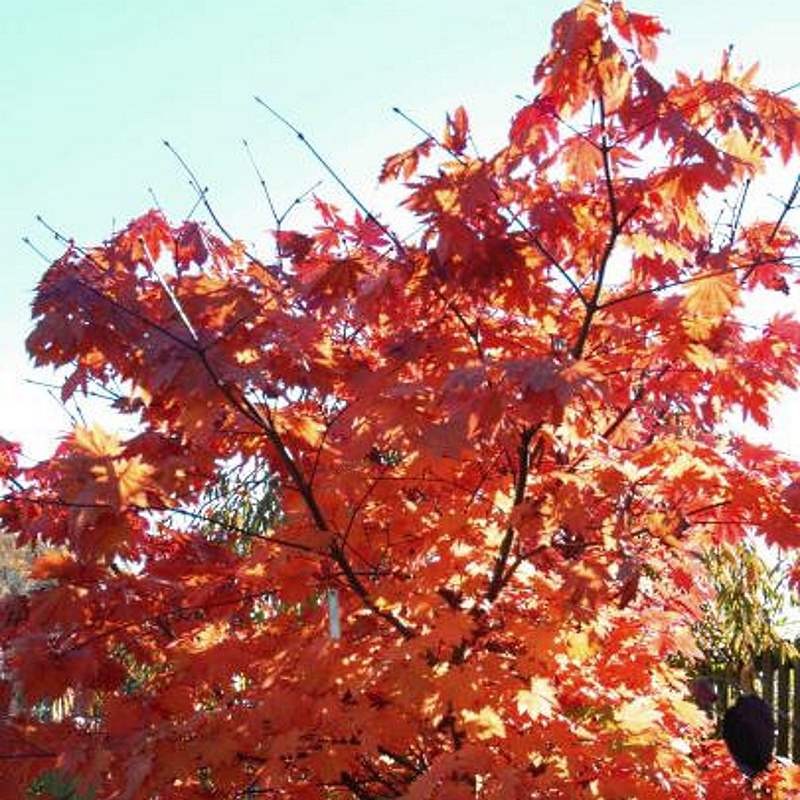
column 301, row 424
column 590, row 8
column 447, row 200
column 746, row 79
column 643, row 244
column 96, row 442
column 133, row 479
column 615, row 78
column 310, row 430
column 689, row 713
column 673, row 252
column 248, row 355
column 748, row 151
column 539, row 700
column 208, row 636
column 579, row 647
column 713, row 296
column 702, row 357
column 699, row 328
column 484, row 724
column 638, row 716
column 582, row 159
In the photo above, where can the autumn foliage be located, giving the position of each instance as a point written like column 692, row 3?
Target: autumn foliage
column 499, row 447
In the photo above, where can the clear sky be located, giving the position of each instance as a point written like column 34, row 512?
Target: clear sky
column 89, row 89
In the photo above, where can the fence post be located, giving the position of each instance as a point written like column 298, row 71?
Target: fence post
column 783, row 719
column 796, row 710
column 768, row 679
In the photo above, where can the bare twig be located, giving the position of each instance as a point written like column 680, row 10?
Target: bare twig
column 36, row 250
column 399, row 249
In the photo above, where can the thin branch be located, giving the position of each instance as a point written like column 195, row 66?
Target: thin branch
column 402, row 760
column 637, row 396
column 472, row 332
column 738, row 213
column 251, row 412
column 789, row 88
column 152, row 508
column 399, row 249
column 337, row 554
column 154, row 199
column 246, row 407
column 261, row 181
column 552, row 113
column 109, row 396
column 202, row 194
column 685, row 281
column 20, row 756
column 615, row 227
column 349, row 782
column 524, row 461
column 298, row 200
column 425, row 132
column 100, row 635
column 788, row 205
column 36, row 250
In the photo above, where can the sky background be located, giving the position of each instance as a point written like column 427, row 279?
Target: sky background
column 89, row 90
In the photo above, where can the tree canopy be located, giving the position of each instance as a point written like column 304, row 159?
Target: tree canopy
column 417, row 516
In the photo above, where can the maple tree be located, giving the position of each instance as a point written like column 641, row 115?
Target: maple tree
column 466, row 478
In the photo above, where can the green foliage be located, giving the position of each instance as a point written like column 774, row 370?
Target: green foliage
column 749, row 610
column 58, row 785
column 14, row 566
column 244, row 503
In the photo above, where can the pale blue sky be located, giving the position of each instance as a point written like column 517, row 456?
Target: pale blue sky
column 89, row 90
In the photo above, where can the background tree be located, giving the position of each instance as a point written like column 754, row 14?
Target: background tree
column 748, row 615
column 14, row 566
column 500, row 445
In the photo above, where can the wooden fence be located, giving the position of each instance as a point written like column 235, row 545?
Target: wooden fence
column 778, row 682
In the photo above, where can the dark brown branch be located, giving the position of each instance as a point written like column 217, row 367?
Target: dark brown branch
column 523, row 454
column 262, row 183
column 337, row 554
column 381, row 778
column 472, row 332
column 28, row 243
column 349, row 782
column 241, row 403
column 788, row 205
column 161, row 616
column 13, row 756
column 625, row 412
column 616, row 226
column 238, row 400
column 737, row 215
column 184, row 512
column 709, row 507
column 402, row 760
column 686, row 281
column 203, row 195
